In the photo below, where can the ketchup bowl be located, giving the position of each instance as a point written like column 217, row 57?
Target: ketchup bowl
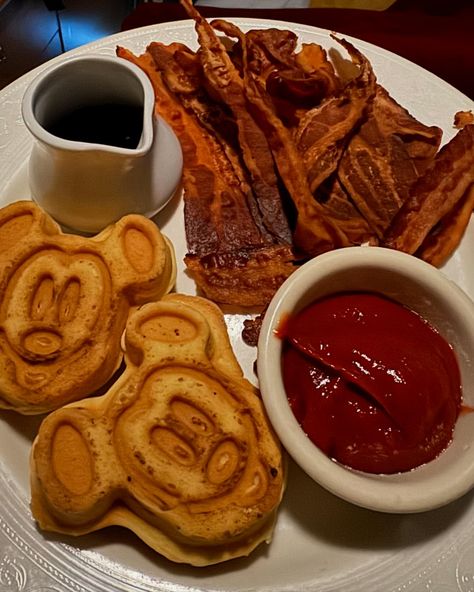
column 410, row 287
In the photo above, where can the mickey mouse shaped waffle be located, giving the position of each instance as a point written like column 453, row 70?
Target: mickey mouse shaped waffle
column 179, row 450
column 65, row 300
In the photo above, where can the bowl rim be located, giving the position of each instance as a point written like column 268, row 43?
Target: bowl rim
column 385, row 493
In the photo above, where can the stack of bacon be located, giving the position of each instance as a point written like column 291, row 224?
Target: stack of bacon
column 285, row 158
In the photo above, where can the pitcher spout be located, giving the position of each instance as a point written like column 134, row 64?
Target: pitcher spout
column 100, row 151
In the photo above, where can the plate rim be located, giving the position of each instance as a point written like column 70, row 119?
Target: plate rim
column 19, row 86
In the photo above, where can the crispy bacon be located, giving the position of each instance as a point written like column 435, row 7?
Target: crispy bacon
column 315, row 231
column 295, row 82
column 245, row 278
column 324, row 131
column 341, row 208
column 377, row 172
column 287, row 156
column 217, row 216
column 444, row 238
column 224, row 241
column 421, row 141
column 184, row 77
column 463, row 118
column 384, row 158
column 225, row 82
column 435, row 193
column 367, row 172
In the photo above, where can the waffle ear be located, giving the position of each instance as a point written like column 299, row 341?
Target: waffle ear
column 23, row 220
column 180, row 329
column 70, row 468
column 141, row 260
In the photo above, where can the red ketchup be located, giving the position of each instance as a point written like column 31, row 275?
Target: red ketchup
column 372, row 383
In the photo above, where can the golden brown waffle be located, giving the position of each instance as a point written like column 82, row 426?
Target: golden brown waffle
column 65, row 300
column 179, row 450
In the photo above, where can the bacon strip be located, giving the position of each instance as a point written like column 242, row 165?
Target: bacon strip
column 245, row 278
column 294, row 81
column 342, row 210
column 315, row 232
column 187, row 86
column 435, row 193
column 377, row 172
column 324, row 131
column 206, row 231
column 229, row 258
column 444, row 239
column 224, row 80
column 384, row 158
column 421, row 141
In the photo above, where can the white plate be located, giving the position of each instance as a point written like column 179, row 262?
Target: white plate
column 321, row 543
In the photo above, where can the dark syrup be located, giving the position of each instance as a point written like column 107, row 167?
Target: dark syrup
column 110, row 124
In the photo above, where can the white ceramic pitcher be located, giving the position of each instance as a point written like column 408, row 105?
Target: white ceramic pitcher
column 85, row 186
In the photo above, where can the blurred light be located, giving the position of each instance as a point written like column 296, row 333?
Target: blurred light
column 79, row 30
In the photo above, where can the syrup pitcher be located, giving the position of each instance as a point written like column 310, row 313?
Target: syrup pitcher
column 100, row 152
